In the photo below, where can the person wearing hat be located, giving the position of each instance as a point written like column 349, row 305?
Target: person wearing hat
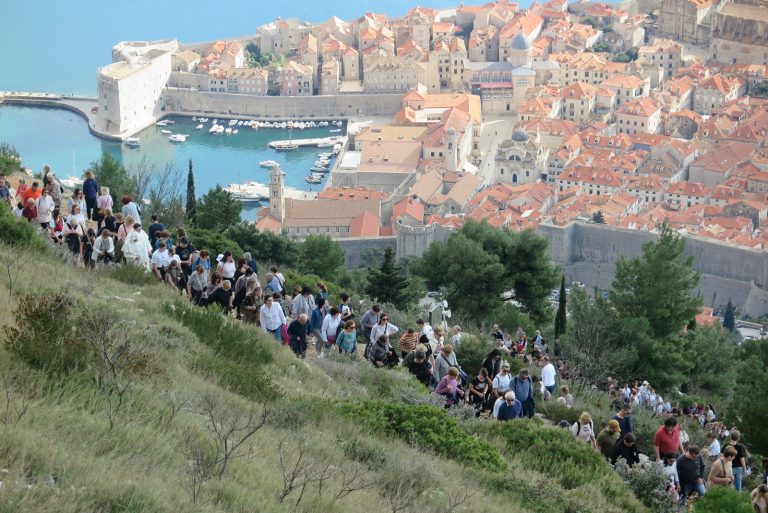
column 608, row 437
column 418, row 364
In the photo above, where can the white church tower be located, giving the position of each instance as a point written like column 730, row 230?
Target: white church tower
column 277, row 194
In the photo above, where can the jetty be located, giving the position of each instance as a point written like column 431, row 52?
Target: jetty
column 332, row 140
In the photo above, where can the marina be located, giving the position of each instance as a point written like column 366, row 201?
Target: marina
column 322, row 142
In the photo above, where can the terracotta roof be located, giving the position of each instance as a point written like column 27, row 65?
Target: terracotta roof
column 724, row 157
column 526, row 23
column 688, row 189
column 346, row 193
column 307, row 213
column 365, row 224
column 640, row 107
column 579, row 90
column 410, row 207
column 624, row 82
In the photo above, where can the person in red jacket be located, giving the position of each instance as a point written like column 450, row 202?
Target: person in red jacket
column 667, row 438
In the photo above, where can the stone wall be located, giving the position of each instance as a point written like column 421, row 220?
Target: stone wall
column 353, row 248
column 589, row 252
column 279, row 107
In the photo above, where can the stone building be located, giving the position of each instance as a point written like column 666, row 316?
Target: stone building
column 687, row 20
column 521, row 159
column 740, row 34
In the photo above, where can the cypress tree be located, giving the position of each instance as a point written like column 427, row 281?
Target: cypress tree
column 729, row 318
column 191, row 201
column 560, row 318
column 387, row 284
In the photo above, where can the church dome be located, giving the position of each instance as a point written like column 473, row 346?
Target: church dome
column 520, row 42
column 519, row 135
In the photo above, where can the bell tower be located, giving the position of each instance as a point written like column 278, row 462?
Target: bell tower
column 277, row 194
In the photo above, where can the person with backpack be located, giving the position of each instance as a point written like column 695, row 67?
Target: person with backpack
column 740, row 461
column 330, row 328
column 316, row 324
column 584, row 430
column 347, row 338
column 280, row 280
column 444, row 361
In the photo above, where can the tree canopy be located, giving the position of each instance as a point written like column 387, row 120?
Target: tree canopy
column 388, row 284
column 111, row 173
column 265, row 246
column 217, row 210
column 321, row 255
column 479, row 262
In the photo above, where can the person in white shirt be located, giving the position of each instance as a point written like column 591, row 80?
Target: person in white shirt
column 17, row 210
column 272, row 317
column 383, row 328
column 425, row 328
column 136, row 248
column 714, row 446
column 549, row 375
column 330, row 327
column 103, row 248
column 45, row 207
column 502, row 381
column 160, row 260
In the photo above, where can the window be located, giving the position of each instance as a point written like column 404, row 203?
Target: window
column 514, row 177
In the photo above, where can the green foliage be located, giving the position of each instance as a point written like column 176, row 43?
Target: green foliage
column 321, row 255
column 761, row 90
column 244, row 378
column 553, row 451
column 729, row 318
column 388, row 284
column 426, row 427
column 9, row 159
column 556, row 413
column 649, row 484
column 599, row 47
column 111, row 173
column 217, row 210
column 712, row 356
column 131, row 275
column 658, row 285
column 42, row 336
column 371, row 257
column 750, row 392
column 722, row 499
column 561, row 316
column 294, row 279
column 472, row 351
column 191, row 206
column 214, row 242
column 17, row 232
column 265, row 246
column 479, row 262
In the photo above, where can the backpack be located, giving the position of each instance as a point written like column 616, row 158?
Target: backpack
column 339, row 330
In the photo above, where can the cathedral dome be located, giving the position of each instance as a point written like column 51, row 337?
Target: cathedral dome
column 520, row 42
column 519, row 135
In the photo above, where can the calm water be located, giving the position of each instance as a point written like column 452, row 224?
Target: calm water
column 61, row 139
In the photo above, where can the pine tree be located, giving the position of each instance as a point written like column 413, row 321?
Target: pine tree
column 598, row 217
column 729, row 319
column 560, row 318
column 191, row 201
column 387, row 284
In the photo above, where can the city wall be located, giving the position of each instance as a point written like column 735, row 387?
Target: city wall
column 589, row 252
column 353, row 248
column 281, row 107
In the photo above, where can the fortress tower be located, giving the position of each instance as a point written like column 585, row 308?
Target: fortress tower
column 277, row 194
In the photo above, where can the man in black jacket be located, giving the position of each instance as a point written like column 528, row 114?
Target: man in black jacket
column 297, row 331
column 625, row 448
column 690, row 471
column 417, row 364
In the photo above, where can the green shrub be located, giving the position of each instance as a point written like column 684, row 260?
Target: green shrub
column 721, row 499
column 214, row 242
column 224, row 336
column 44, row 335
column 555, row 413
column 294, row 279
column 131, row 275
column 17, row 232
column 427, row 427
column 472, row 351
column 649, row 484
column 244, row 378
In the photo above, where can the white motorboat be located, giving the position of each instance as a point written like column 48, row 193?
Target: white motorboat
column 335, row 130
column 268, row 164
column 313, row 179
column 318, row 169
column 234, row 132
column 232, row 122
column 325, row 144
column 322, row 163
column 178, row 137
column 194, row 118
column 161, row 123
column 240, row 123
column 219, row 129
column 199, row 127
column 215, row 121
column 286, row 147
column 133, row 142
column 169, row 122
column 248, row 191
column 228, row 131
column 325, row 155
column 166, row 132
column 212, row 129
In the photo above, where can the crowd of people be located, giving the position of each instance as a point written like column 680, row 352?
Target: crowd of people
column 304, row 318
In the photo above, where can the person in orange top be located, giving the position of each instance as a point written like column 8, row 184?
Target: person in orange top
column 34, row 192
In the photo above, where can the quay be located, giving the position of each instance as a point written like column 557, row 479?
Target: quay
column 339, row 139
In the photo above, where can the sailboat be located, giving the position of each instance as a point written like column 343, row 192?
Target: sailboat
column 290, row 145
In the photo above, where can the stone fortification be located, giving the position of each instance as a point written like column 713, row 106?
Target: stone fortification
column 281, row 107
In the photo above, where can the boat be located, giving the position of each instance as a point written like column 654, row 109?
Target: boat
column 317, row 169
column 133, row 141
column 325, row 155
column 335, row 130
column 232, row 122
column 286, row 146
column 199, row 127
column 212, row 129
column 215, row 121
column 166, row 132
column 240, row 123
column 169, row 122
column 248, row 191
column 268, row 164
column 227, row 130
column 194, row 118
column 313, row 179
column 178, row 137
column 234, row 131
column 325, row 144
column 219, row 129
column 322, row 163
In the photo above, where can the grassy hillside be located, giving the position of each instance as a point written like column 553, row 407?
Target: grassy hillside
column 115, row 396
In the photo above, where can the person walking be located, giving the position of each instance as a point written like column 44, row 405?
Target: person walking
column 667, row 438
column 510, row 409
column 548, row 375
column 690, row 471
column 608, row 437
column 740, row 461
column 297, row 332
column 626, row 448
column 584, row 429
column 271, row 317
column 721, row 473
column 90, row 191
column 523, row 389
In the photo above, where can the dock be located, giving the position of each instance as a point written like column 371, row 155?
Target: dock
column 336, row 139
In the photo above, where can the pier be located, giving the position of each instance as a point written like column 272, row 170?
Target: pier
column 339, row 139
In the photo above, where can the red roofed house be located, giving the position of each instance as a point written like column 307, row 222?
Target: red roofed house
column 713, row 92
column 716, row 166
column 364, row 225
column 408, row 207
column 639, row 116
column 687, row 194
